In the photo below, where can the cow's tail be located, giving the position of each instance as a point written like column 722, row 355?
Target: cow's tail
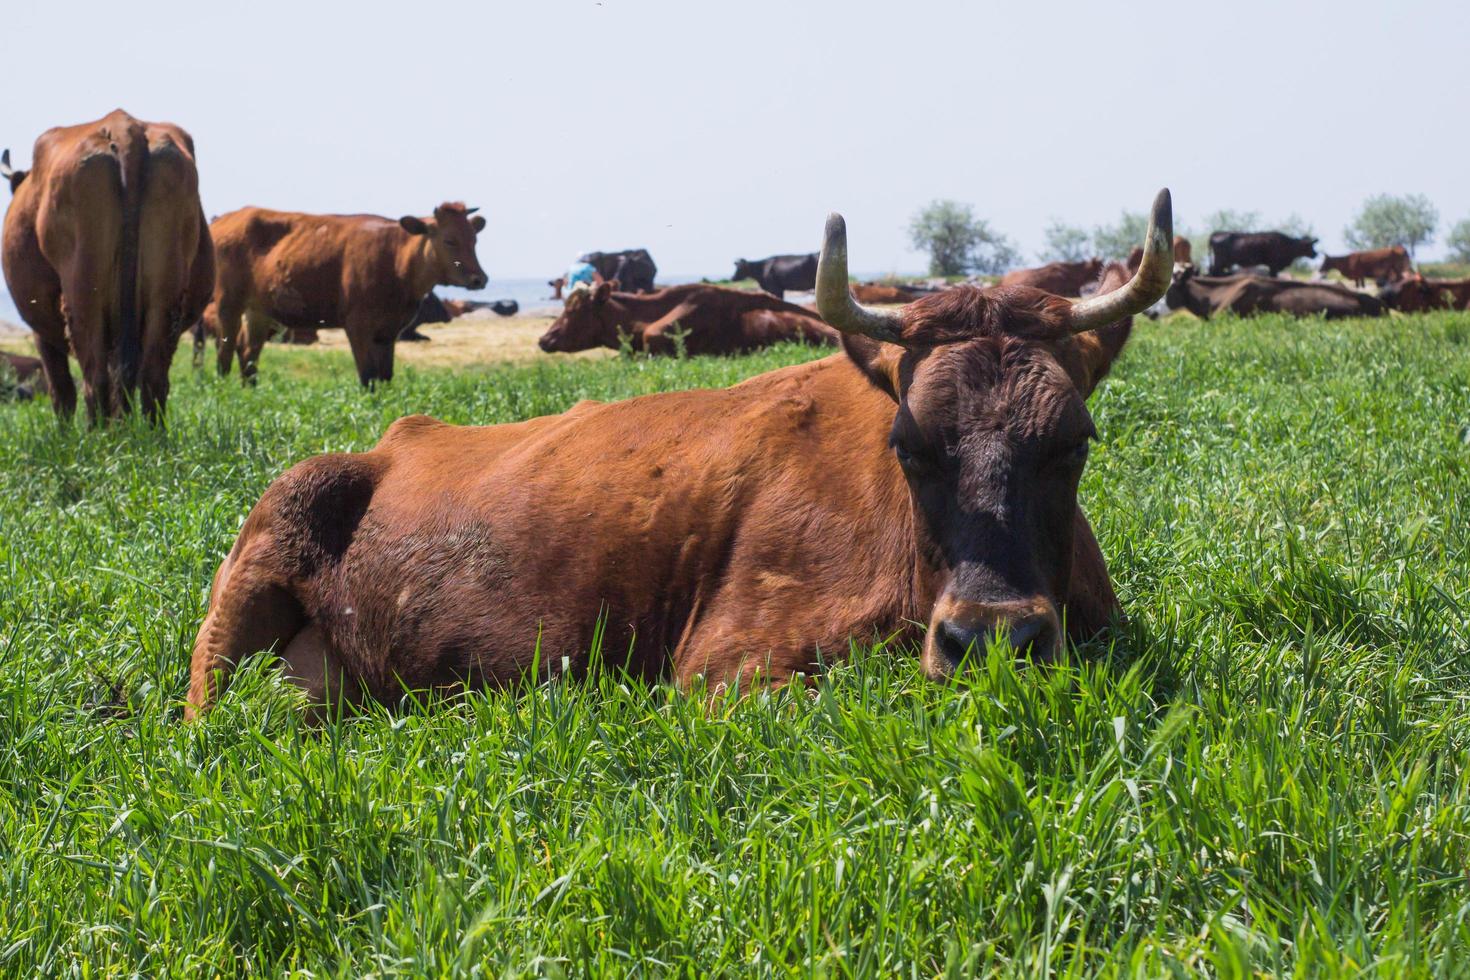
column 132, row 151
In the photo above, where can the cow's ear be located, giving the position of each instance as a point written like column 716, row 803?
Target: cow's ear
column 879, row 361
column 1096, row 350
column 412, row 225
column 478, row 223
column 603, row 291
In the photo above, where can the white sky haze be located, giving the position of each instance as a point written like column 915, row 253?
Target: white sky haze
column 710, row 131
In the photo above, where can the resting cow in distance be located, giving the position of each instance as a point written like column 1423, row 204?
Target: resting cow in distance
column 1247, row 295
column 106, row 253
column 927, row 473
column 710, row 319
column 362, row 272
column 1058, row 278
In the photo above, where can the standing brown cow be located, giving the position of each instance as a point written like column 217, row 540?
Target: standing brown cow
column 1182, row 254
column 362, row 272
column 1384, row 264
column 928, row 473
column 105, row 246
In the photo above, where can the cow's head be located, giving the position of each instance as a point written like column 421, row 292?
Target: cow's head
column 992, row 431
column 1413, row 294
column 745, row 269
column 589, row 318
column 1305, row 247
column 10, row 173
column 450, row 243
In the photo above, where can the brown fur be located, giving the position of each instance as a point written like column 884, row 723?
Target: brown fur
column 1247, row 295
column 106, row 253
column 877, row 292
column 1059, row 278
column 1388, row 264
column 742, row 535
column 717, row 320
column 1415, row 294
column 1182, row 254
column 362, row 272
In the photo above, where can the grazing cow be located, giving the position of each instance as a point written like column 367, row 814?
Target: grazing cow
column 1416, row 294
column 928, row 473
column 714, row 320
column 22, row 373
column 1058, row 278
column 364, row 273
column 106, row 252
column 1272, row 249
column 632, row 267
column 1249, row 295
column 779, row 273
column 1383, row 264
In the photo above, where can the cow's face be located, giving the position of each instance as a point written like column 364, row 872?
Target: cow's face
column 743, row 270
column 1307, row 247
column 991, row 432
column 589, row 318
column 1413, row 295
column 450, row 238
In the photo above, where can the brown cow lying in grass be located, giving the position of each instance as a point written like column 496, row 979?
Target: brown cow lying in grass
column 710, row 319
column 928, row 473
column 1416, row 294
column 1059, row 278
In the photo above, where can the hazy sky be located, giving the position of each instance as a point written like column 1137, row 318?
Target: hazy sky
column 710, row 131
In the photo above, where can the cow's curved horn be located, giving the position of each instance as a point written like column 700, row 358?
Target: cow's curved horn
column 834, row 300
column 1150, row 281
column 470, row 211
column 5, row 168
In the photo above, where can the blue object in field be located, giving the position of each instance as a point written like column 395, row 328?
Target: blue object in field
column 580, row 272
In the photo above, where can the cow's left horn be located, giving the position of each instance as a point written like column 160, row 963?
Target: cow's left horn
column 469, row 211
column 834, row 300
column 1148, row 283
column 5, row 168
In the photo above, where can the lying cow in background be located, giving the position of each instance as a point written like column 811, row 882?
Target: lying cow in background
column 1382, row 264
column 106, row 254
column 1417, row 294
column 779, row 273
column 734, row 537
column 435, row 310
column 1272, row 249
column 20, row 375
column 711, row 320
column 1247, row 295
column 364, row 273
column 885, row 292
column 1057, row 278
column 632, row 267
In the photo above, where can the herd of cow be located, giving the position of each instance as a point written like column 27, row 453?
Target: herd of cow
column 925, row 474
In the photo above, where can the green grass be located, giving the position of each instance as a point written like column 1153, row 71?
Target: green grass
column 1265, row 771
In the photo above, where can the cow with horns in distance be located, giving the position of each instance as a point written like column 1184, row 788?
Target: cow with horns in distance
column 365, row 273
column 106, row 254
column 928, row 473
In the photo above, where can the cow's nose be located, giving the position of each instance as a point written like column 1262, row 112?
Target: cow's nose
column 1031, row 634
column 478, row 281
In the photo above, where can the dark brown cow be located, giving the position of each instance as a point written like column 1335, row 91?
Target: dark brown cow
column 362, row 272
column 1383, row 264
column 1416, row 294
column 1058, row 278
column 928, row 473
column 714, row 320
column 106, row 251
column 1248, row 295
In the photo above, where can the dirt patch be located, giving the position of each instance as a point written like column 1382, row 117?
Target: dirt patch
column 485, row 339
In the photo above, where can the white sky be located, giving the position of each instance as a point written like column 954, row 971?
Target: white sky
column 710, row 131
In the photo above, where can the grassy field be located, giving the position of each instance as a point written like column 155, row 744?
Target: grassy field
column 1265, row 771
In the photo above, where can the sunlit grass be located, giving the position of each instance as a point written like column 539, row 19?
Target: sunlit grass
column 1264, row 770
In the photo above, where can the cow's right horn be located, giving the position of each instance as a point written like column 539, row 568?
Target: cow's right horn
column 5, row 168
column 1150, row 281
column 834, row 300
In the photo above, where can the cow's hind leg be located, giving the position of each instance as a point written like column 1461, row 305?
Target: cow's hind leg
column 58, row 377
column 249, row 612
column 310, row 663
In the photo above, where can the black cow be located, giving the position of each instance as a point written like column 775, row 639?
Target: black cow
column 1272, row 249
column 779, row 273
column 633, row 268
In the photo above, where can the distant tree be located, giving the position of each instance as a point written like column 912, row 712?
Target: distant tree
column 1229, row 219
column 958, row 242
column 1387, row 220
column 1064, row 243
column 1114, row 242
column 1459, row 242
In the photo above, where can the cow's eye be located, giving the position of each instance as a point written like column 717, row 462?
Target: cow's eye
column 451, row 243
column 913, row 461
column 1076, row 456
